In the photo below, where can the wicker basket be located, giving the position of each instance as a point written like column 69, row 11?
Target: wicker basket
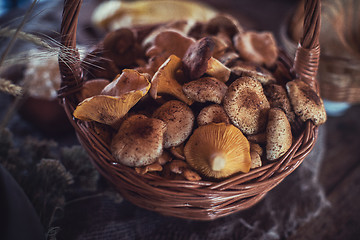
column 339, row 77
column 200, row 200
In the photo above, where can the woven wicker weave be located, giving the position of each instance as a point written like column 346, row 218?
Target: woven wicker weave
column 200, row 200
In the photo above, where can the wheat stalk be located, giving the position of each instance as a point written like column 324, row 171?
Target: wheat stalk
column 8, row 32
column 8, row 87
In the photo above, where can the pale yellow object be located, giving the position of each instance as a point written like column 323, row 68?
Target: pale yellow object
column 218, row 150
column 113, row 15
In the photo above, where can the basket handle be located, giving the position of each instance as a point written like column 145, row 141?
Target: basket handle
column 69, row 58
column 307, row 55
column 305, row 63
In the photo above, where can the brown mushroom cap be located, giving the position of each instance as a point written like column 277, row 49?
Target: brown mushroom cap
column 139, row 141
column 254, row 147
column 179, row 119
column 212, row 114
column 92, row 87
column 121, row 46
column 218, row 150
column 129, row 80
column 197, row 56
column 255, row 160
column 306, row 102
column 206, row 89
column 278, row 98
column 246, row 105
column 278, row 134
column 228, row 58
column 223, row 23
column 257, row 47
column 166, row 43
column 261, row 74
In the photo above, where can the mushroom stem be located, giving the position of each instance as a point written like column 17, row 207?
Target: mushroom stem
column 217, row 161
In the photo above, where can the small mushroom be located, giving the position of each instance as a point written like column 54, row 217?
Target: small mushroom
column 121, row 46
column 164, row 82
column 218, row 70
column 218, row 150
column 254, row 147
column 178, row 151
column 306, row 102
column 110, row 109
column 161, row 37
column 278, row 98
column 212, row 114
column 221, row 46
column 139, row 141
column 166, row 43
column 179, row 119
column 223, row 23
column 164, row 158
column 154, row 167
column 197, row 56
column 198, row 60
column 255, row 160
column 206, row 89
column 228, row 58
column 246, row 105
column 257, row 47
column 249, row 69
column 182, row 168
column 256, row 152
column 91, row 88
column 278, row 132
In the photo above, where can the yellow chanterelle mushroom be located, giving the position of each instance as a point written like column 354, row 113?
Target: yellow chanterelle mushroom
column 116, row 99
column 218, row 150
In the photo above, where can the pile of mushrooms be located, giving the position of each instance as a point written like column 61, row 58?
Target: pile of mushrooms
column 203, row 100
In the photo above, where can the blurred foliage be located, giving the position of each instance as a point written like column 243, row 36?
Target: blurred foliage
column 47, row 173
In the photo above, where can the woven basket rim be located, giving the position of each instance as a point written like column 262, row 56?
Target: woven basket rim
column 198, row 200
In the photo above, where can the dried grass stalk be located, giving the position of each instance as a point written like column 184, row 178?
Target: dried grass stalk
column 8, row 87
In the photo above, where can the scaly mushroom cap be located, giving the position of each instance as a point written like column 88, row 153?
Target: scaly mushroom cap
column 264, row 76
column 278, row 98
column 179, row 120
column 306, row 102
column 164, row 81
column 91, row 88
column 212, row 114
column 206, row 89
column 139, row 141
column 257, row 47
column 128, row 81
column 218, row 150
column 278, row 134
column 197, row 56
column 246, row 105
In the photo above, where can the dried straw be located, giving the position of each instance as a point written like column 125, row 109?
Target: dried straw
column 8, row 87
